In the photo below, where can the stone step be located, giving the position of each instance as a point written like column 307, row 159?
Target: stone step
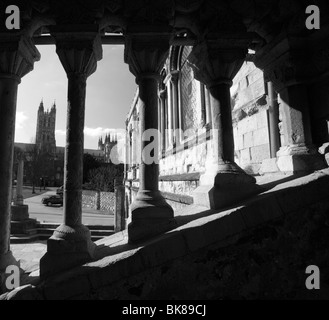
column 101, row 233
column 43, row 231
column 23, row 238
column 90, row 227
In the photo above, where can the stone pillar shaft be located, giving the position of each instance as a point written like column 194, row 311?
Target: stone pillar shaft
column 150, row 213
column 71, row 243
column 175, row 97
column 148, row 173
column 223, row 139
column 73, row 173
column 17, row 57
column 273, row 120
column 19, row 188
column 8, row 98
column 224, row 183
column 296, row 127
column 163, row 122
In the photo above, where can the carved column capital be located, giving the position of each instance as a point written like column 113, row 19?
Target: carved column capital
column 292, row 61
column 79, row 51
column 17, row 55
column 214, row 62
column 146, row 54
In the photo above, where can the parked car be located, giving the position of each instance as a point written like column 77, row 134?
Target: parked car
column 60, row 190
column 51, row 200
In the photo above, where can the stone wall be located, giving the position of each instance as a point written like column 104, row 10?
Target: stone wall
column 252, row 144
column 176, row 190
column 187, row 158
column 103, row 201
column 250, row 118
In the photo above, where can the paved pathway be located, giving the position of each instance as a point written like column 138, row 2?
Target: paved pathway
column 29, row 254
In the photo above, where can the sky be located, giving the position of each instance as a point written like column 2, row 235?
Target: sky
column 110, row 93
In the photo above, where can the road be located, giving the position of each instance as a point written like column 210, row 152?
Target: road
column 55, row 214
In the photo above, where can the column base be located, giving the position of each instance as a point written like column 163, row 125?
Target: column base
column 6, row 260
column 225, row 187
column 151, row 215
column 225, row 173
column 299, row 158
column 19, row 212
column 66, row 249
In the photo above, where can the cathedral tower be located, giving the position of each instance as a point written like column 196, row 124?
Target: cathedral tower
column 45, row 137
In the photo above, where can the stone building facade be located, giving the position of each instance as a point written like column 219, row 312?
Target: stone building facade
column 185, row 123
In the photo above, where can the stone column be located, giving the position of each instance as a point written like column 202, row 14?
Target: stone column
column 119, row 214
column 19, row 200
column 175, row 96
column 150, row 214
column 290, row 65
column 17, row 57
column 269, row 166
column 71, row 243
column 297, row 154
column 19, row 211
column 273, row 120
column 224, row 183
column 163, row 120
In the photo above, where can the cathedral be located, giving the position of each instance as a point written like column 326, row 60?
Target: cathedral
column 46, row 124
column 107, row 146
column 46, row 156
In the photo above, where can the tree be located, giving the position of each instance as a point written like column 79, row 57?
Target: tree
column 102, row 178
column 36, row 161
column 89, row 163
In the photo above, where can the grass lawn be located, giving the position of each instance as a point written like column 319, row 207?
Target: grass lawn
column 27, row 192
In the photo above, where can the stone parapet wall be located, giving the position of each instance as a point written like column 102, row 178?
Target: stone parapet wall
column 256, row 251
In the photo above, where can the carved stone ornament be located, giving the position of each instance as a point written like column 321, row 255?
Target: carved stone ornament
column 17, row 55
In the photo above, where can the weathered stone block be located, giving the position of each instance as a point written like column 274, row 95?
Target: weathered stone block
column 300, row 163
column 269, row 166
column 262, row 120
column 238, row 141
column 218, row 198
column 248, row 140
column 261, row 137
column 245, row 156
column 243, row 126
column 260, row 153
